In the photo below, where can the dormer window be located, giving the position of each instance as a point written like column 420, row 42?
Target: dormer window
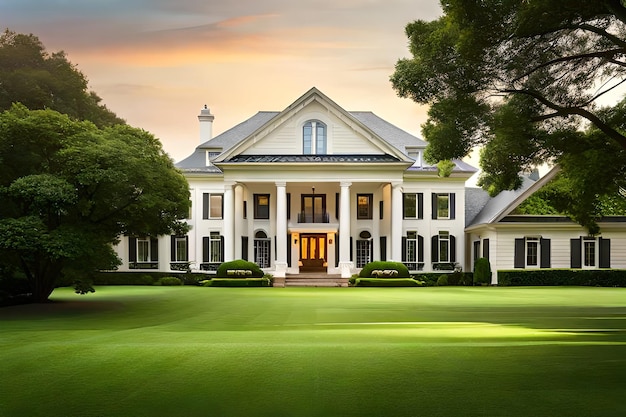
column 314, row 138
column 417, row 156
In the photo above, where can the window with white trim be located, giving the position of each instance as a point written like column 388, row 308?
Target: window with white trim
column 444, row 246
column 443, row 206
column 532, row 251
column 215, row 247
column 143, row 249
column 412, row 205
column 589, row 252
column 262, row 249
column 314, row 138
column 212, row 205
column 180, row 249
column 411, row 247
column 363, row 249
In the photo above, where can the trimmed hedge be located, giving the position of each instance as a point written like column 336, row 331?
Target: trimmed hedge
column 169, row 281
column 563, row 277
column 482, row 271
column 237, row 282
column 403, row 271
column 387, row 282
column 143, row 278
column 239, row 265
column 454, row 278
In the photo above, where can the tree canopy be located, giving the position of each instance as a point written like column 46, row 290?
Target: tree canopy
column 69, row 189
column 525, row 81
column 39, row 80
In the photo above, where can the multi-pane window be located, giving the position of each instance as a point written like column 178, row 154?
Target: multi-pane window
column 363, row 249
column 215, row 248
column 532, row 251
column 180, row 249
column 261, row 206
column 411, row 247
column 143, row 250
column 444, row 246
column 589, row 252
column 314, row 138
column 443, row 206
column 412, row 204
column 212, row 206
column 364, row 206
column 262, row 247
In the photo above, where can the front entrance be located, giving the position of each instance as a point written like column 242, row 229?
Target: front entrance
column 313, row 252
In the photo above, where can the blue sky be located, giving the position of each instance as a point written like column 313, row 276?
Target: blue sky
column 156, row 63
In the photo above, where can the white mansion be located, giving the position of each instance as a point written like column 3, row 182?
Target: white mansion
column 316, row 187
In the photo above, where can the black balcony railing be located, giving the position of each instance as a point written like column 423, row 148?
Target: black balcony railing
column 313, row 217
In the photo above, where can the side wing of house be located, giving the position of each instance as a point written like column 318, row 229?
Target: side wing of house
column 512, row 241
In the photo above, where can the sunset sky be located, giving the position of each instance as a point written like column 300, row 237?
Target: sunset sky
column 156, row 63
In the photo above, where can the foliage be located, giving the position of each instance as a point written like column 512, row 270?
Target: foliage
column 442, row 281
column 169, row 281
column 523, row 80
column 366, row 271
column 562, row 277
column 445, row 167
column 69, row 189
column 482, row 271
column 239, row 265
column 39, row 80
column 237, row 282
column 387, row 282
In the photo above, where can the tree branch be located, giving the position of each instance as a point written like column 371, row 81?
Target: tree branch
column 568, row 111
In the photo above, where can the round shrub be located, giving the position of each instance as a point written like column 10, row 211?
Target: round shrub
column 366, row 272
column 169, row 281
column 482, row 271
column 239, row 265
column 442, row 281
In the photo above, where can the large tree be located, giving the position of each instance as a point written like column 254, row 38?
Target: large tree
column 69, row 189
column 523, row 80
column 40, row 80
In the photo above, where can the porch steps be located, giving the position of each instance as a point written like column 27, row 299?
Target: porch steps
column 314, row 280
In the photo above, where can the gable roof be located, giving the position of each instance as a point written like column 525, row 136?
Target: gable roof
column 496, row 208
column 314, row 95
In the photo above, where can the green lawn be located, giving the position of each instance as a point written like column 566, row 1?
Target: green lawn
column 298, row 352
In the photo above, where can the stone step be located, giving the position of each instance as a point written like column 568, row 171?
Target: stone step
column 298, row 281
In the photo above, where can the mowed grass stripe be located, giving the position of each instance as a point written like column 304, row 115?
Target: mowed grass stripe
column 133, row 351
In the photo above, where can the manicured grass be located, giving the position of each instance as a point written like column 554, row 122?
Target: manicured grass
column 298, row 352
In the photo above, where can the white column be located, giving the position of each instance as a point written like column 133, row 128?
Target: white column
column 281, row 230
column 396, row 221
column 345, row 265
column 229, row 222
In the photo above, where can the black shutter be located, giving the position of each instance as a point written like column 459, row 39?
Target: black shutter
column 519, row 259
column 452, row 249
column 420, row 205
column 434, row 248
column 420, row 248
column 154, row 249
column 383, row 248
column 205, row 205
column 350, row 248
column 186, row 247
column 575, row 254
column 244, row 248
column 434, row 206
column 205, row 249
column 336, row 249
column 173, row 248
column 486, row 248
column 222, row 249
column 371, row 251
column 381, row 209
column 289, row 250
column 452, row 202
column 403, row 248
column 337, row 207
column 545, row 253
column 605, row 253
column 132, row 249
column 288, row 206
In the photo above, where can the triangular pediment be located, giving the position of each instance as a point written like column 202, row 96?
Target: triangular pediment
column 282, row 135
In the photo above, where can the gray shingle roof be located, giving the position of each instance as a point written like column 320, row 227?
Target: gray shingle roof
column 312, row 158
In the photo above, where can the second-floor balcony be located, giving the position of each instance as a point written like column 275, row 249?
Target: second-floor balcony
column 304, row 217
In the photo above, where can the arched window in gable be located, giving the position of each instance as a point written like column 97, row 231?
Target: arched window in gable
column 314, row 138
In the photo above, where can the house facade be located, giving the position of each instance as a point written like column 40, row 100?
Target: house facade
column 317, row 188
column 312, row 188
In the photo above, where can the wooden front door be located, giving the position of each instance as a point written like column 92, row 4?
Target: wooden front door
column 313, row 250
